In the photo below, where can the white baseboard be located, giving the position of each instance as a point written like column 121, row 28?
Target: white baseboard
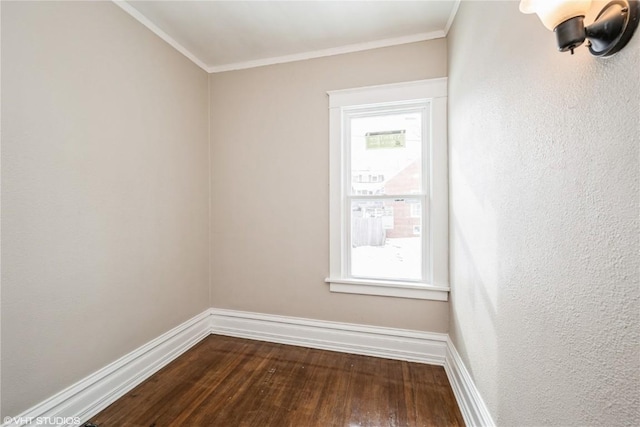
column 474, row 411
column 389, row 343
column 413, row 346
column 92, row 394
column 89, row 396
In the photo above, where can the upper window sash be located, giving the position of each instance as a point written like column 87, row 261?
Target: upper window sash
column 422, row 106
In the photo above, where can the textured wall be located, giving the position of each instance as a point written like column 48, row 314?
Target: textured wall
column 104, row 193
column 270, row 186
column 544, row 221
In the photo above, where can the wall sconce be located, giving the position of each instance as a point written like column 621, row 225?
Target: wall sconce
column 610, row 32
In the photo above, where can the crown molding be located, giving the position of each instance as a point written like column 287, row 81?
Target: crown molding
column 357, row 47
column 159, row 32
column 452, row 17
column 339, row 50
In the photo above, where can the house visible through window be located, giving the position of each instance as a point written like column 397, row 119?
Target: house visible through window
column 388, row 149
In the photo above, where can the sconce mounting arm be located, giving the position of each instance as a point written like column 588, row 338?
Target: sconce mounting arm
column 613, row 28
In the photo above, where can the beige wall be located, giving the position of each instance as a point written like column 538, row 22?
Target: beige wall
column 270, row 186
column 104, row 193
column 544, row 168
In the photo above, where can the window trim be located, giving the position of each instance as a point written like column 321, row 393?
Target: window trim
column 436, row 286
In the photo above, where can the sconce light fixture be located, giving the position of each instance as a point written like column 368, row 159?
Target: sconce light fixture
column 610, row 32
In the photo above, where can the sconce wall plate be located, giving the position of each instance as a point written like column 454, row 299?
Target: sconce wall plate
column 613, row 28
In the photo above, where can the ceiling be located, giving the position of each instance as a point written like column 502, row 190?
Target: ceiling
column 231, row 35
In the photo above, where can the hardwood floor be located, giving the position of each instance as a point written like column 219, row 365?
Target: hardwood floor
column 226, row 381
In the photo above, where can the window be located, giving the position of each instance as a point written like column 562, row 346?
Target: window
column 416, row 210
column 388, row 214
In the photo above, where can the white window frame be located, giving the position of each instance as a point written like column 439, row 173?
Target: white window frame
column 436, row 223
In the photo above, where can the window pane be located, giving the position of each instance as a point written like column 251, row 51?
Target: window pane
column 386, row 240
column 386, row 153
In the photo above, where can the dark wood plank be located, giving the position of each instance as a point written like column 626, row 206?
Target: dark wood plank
column 226, row 381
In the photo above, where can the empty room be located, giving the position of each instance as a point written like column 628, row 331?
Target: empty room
column 320, row 213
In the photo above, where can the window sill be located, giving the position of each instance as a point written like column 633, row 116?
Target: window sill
column 389, row 289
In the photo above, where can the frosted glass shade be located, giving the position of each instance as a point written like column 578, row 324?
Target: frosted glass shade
column 554, row 12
